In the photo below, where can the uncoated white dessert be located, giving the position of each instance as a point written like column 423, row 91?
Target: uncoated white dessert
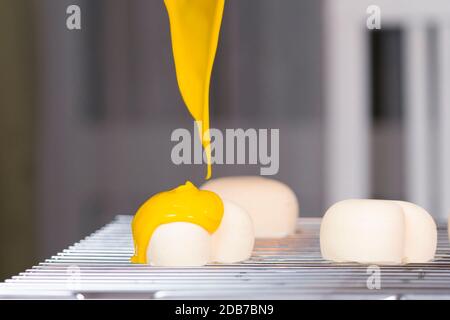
column 187, row 244
column 378, row 231
column 234, row 240
column 271, row 204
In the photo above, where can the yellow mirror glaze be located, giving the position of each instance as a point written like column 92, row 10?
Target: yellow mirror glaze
column 185, row 203
column 195, row 27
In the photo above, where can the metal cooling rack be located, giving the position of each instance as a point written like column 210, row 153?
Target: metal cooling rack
column 292, row 268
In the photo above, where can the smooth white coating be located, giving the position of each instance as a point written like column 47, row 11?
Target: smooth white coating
column 234, row 240
column 377, row 231
column 179, row 244
column 272, row 205
column 420, row 234
column 187, row 244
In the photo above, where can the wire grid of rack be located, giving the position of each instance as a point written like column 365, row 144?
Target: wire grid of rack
column 98, row 267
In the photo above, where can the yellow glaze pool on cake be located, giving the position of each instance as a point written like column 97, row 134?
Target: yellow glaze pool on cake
column 185, row 203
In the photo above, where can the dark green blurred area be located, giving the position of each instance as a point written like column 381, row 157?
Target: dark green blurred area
column 17, row 110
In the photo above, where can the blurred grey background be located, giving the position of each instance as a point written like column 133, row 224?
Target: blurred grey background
column 86, row 115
